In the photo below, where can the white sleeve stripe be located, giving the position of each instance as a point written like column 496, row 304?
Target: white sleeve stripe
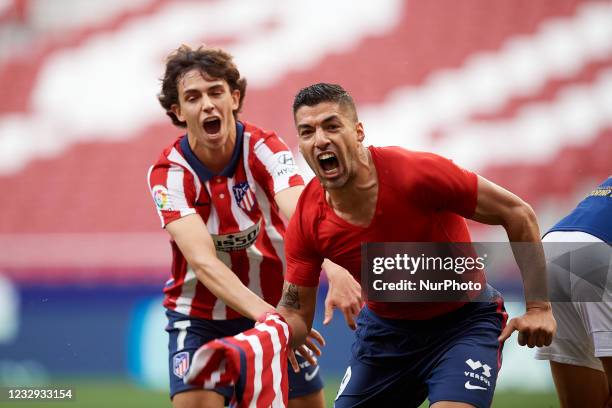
column 149, row 177
column 161, row 218
column 265, row 156
column 279, row 172
column 176, row 190
column 187, row 211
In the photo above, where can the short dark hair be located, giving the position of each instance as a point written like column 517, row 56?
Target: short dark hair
column 324, row 92
column 213, row 62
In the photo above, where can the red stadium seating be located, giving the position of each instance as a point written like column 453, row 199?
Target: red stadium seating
column 96, row 183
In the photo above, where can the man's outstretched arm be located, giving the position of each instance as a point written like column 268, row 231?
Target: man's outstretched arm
column 194, row 241
column 498, row 206
column 297, row 306
column 344, row 291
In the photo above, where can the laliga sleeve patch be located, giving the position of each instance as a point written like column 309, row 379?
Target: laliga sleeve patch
column 162, row 200
column 180, row 364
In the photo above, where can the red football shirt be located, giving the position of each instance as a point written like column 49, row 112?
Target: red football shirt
column 422, row 197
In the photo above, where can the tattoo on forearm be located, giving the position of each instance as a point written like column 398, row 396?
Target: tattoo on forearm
column 291, row 298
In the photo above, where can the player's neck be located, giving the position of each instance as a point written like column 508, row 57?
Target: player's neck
column 215, row 159
column 356, row 200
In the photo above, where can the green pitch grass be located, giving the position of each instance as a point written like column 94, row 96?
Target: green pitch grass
column 501, row 400
column 122, row 393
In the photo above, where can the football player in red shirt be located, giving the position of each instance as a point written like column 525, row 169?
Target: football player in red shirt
column 448, row 352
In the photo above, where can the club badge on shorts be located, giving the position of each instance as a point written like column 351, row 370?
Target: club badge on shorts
column 180, row 364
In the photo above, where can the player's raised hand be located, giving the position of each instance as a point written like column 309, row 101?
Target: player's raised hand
column 344, row 293
column 308, row 350
column 536, row 327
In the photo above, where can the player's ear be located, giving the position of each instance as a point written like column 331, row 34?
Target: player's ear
column 235, row 99
column 176, row 109
column 360, row 132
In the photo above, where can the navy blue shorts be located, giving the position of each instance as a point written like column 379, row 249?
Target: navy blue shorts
column 455, row 357
column 188, row 334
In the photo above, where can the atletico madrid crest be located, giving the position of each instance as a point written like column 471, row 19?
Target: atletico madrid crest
column 244, row 196
column 180, row 364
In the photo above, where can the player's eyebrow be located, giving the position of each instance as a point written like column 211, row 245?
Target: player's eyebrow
column 213, row 86
column 303, row 126
column 191, row 91
column 330, row 118
column 324, row 121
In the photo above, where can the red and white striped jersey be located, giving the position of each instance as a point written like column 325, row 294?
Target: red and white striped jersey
column 240, row 213
column 256, row 358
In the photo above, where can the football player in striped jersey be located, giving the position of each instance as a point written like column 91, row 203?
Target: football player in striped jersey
column 221, row 191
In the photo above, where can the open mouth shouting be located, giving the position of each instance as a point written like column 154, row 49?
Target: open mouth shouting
column 212, row 125
column 329, row 164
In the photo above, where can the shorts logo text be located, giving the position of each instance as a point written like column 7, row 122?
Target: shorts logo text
column 483, row 377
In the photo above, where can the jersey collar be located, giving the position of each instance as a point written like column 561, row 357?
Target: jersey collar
column 203, row 172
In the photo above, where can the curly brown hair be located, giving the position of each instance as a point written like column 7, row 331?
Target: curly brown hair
column 213, row 62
